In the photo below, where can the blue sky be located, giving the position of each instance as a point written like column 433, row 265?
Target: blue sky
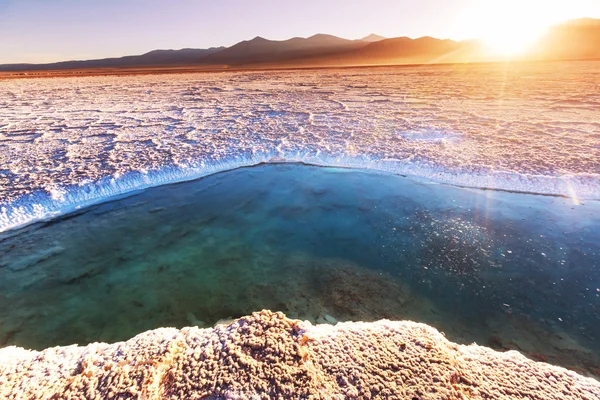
column 52, row 30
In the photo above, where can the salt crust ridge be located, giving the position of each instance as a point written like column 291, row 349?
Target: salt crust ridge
column 42, row 206
column 267, row 355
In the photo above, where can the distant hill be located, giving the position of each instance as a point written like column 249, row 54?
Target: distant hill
column 404, row 50
column 150, row 59
column 577, row 39
column 260, row 50
column 373, row 38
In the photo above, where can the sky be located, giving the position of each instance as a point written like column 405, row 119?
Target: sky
column 37, row 31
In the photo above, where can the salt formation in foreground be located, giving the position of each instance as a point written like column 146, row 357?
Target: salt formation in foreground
column 267, row 355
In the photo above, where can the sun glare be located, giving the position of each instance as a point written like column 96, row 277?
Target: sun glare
column 514, row 26
column 511, row 27
column 513, row 42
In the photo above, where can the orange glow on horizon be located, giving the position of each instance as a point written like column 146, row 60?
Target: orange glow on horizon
column 515, row 42
column 515, row 25
column 512, row 27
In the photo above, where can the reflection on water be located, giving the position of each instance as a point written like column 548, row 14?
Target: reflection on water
column 510, row 271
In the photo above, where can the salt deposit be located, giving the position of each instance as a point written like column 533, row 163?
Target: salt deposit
column 67, row 143
column 266, row 356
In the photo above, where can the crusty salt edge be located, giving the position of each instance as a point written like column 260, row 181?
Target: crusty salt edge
column 267, row 355
column 43, row 206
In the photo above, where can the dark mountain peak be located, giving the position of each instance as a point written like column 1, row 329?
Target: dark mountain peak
column 157, row 51
column 324, row 36
column 429, row 39
column 165, row 51
column 373, row 38
column 389, row 42
column 259, row 50
column 186, row 51
column 258, row 39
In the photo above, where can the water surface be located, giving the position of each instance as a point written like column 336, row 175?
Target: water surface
column 506, row 270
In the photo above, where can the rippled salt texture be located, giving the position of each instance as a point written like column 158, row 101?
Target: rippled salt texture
column 65, row 143
column 511, row 271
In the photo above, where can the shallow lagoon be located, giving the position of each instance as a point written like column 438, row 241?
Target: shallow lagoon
column 506, row 270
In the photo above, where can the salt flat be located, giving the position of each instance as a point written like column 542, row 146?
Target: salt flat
column 519, row 127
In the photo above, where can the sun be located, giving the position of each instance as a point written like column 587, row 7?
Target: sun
column 513, row 41
column 511, row 27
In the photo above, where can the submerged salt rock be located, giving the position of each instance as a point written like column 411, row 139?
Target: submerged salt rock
column 330, row 319
column 225, row 321
column 267, row 355
column 193, row 321
column 32, row 258
column 326, row 319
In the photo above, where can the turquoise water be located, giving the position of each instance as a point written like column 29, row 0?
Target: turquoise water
column 506, row 270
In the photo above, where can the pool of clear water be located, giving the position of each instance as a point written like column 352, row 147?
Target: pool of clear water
column 505, row 270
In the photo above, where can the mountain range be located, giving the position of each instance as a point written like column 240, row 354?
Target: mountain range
column 576, row 39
